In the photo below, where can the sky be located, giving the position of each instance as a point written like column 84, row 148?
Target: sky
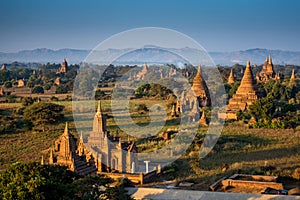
column 218, row 25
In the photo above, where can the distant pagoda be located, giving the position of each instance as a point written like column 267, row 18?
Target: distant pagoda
column 267, row 71
column 64, row 67
column 141, row 75
column 245, row 95
column 200, row 89
column 231, row 78
column 3, row 67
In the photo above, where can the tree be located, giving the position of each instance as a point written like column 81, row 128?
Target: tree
column 42, row 113
column 47, row 87
column 99, row 94
column 8, row 84
column 263, row 108
column 26, row 101
column 34, row 181
column 37, row 90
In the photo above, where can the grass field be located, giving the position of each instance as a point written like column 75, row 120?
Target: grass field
column 240, row 148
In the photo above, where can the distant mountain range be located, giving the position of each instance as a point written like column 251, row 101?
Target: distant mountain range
column 152, row 55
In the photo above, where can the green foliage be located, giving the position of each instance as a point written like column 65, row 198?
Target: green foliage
column 34, row 181
column 61, row 89
column 42, row 113
column 233, row 88
column 269, row 124
column 142, row 108
column 8, row 84
column 47, row 87
column 37, row 90
column 153, row 90
column 26, row 101
column 99, row 94
column 11, row 98
column 263, row 108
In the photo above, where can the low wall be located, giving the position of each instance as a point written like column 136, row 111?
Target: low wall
column 140, row 178
column 256, row 184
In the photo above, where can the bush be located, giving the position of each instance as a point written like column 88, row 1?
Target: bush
column 37, row 90
column 11, row 98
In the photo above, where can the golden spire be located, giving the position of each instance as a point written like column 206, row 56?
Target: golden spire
column 199, row 86
column 51, row 159
column 270, row 59
column 81, row 136
column 293, row 75
column 247, row 83
column 99, row 109
column 202, row 120
column 66, row 132
column 42, row 161
column 231, row 78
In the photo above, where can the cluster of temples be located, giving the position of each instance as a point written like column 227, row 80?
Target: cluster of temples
column 100, row 153
column 246, row 93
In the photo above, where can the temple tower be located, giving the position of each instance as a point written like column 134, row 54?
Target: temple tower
column 203, row 120
column 293, row 75
column 231, row 78
column 3, row 67
column 245, row 95
column 200, row 89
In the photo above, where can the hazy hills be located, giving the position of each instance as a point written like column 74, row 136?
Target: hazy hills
column 152, row 55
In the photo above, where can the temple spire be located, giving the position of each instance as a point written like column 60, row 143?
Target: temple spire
column 231, row 78
column 293, row 75
column 66, row 132
column 203, row 121
column 200, row 89
column 51, row 161
column 99, row 109
column 247, row 83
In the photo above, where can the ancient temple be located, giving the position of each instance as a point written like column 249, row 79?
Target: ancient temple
column 141, row 75
column 101, row 153
column 231, row 78
column 267, row 71
column 57, row 81
column 3, row 67
column 21, row 83
column 2, row 93
column 64, row 67
column 200, row 89
column 65, row 153
column 293, row 75
column 245, row 95
column 203, row 120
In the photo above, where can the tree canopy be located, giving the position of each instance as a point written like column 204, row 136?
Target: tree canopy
column 34, row 181
column 42, row 113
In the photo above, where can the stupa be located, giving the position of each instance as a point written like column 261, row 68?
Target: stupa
column 141, row 75
column 64, row 67
column 245, row 95
column 3, row 67
column 203, row 121
column 200, row 89
column 267, row 71
column 231, row 78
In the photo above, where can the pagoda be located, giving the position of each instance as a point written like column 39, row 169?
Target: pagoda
column 245, row 95
column 3, row 67
column 64, row 67
column 267, row 71
column 231, row 78
column 200, row 89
